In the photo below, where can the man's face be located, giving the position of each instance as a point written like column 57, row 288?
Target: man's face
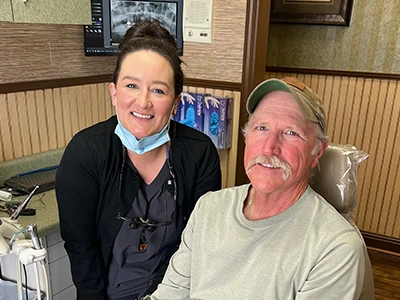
column 279, row 145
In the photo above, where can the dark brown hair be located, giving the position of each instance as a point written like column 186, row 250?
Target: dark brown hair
column 150, row 35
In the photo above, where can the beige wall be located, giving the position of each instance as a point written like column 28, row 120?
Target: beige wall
column 371, row 43
column 30, row 52
column 221, row 60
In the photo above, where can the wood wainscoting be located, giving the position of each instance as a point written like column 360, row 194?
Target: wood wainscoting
column 41, row 120
column 364, row 112
column 45, row 119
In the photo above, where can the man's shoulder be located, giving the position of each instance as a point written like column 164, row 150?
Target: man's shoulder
column 322, row 215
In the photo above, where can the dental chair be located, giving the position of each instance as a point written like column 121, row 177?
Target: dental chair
column 335, row 178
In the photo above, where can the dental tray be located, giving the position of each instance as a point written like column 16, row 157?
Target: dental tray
column 45, row 178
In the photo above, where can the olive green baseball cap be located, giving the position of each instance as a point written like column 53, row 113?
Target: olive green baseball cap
column 309, row 102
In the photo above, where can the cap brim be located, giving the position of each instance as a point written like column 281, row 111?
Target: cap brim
column 263, row 89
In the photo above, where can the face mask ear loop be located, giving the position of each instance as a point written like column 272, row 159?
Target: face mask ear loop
column 169, row 126
column 175, row 106
column 170, row 117
column 168, row 144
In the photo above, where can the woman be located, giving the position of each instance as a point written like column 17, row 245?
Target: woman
column 125, row 187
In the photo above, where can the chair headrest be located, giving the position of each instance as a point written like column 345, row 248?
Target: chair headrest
column 335, row 177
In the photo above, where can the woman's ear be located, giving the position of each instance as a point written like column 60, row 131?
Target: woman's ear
column 113, row 93
column 176, row 104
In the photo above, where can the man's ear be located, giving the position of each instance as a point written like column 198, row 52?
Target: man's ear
column 176, row 104
column 113, row 93
column 317, row 156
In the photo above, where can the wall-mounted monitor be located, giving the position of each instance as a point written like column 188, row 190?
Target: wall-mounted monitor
column 112, row 18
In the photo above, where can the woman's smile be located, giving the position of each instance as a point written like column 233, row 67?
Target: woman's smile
column 141, row 116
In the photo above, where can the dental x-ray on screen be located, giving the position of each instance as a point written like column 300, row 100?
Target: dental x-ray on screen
column 125, row 14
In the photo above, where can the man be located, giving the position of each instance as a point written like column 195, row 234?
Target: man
column 274, row 238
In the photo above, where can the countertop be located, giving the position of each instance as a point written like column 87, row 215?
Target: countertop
column 46, row 217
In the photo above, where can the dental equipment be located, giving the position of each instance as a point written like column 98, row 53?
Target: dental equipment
column 26, row 251
column 20, row 208
column 31, row 252
column 9, row 228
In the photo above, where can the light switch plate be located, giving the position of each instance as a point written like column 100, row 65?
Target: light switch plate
column 197, row 21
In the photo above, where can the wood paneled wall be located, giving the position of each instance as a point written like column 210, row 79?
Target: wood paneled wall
column 42, row 120
column 365, row 113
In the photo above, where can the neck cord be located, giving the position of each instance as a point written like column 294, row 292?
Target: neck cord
column 143, row 240
column 146, row 223
column 250, row 206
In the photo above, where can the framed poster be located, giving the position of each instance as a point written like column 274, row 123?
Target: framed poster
column 321, row 12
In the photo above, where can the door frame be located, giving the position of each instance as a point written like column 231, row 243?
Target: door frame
column 253, row 72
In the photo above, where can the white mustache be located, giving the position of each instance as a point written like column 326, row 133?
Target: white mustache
column 272, row 162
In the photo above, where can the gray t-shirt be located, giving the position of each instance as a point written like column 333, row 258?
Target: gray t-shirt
column 307, row 252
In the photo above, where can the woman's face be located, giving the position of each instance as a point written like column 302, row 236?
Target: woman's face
column 144, row 95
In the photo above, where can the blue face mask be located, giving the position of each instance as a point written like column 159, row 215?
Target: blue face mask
column 143, row 145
